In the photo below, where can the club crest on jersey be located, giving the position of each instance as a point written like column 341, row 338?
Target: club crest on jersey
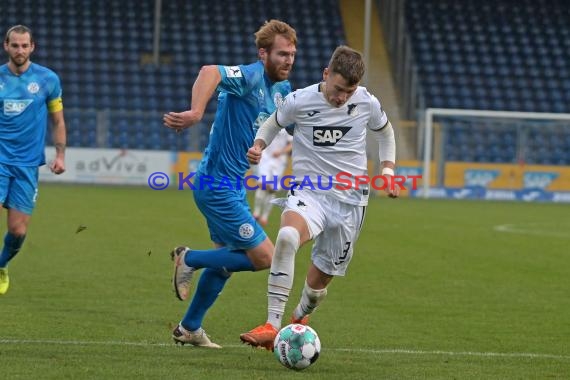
column 33, row 87
column 352, row 110
column 261, row 117
column 278, row 99
column 328, row 136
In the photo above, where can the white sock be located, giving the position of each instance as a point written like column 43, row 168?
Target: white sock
column 267, row 205
column 281, row 274
column 259, row 201
column 310, row 299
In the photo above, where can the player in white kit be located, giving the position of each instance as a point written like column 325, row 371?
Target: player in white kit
column 331, row 121
column 270, row 169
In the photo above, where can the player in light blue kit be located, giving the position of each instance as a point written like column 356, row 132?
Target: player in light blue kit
column 28, row 93
column 248, row 94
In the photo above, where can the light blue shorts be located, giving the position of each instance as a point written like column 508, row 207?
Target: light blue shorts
column 229, row 218
column 19, row 187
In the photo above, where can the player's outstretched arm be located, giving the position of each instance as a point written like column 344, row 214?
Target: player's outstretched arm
column 202, row 91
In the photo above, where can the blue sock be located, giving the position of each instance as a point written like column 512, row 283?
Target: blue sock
column 210, row 285
column 12, row 245
column 221, row 259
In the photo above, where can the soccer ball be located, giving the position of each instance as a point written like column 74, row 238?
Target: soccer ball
column 297, row 346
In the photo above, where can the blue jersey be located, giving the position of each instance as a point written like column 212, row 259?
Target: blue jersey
column 24, row 103
column 247, row 98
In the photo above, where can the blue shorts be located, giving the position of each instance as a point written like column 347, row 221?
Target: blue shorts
column 19, row 187
column 229, row 218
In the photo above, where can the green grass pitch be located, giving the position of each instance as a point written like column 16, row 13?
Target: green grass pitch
column 436, row 290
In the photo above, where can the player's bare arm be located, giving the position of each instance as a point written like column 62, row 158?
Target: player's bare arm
column 202, row 91
column 57, row 166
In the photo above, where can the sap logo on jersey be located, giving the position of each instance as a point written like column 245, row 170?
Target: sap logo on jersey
column 16, row 106
column 328, row 136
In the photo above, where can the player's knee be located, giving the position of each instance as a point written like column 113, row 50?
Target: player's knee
column 19, row 230
column 261, row 256
column 262, row 261
column 288, row 239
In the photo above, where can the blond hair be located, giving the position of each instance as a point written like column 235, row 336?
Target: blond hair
column 265, row 36
column 20, row 29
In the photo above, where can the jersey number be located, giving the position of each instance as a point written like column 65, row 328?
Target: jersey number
column 342, row 258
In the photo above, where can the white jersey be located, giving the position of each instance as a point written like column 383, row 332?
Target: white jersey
column 270, row 167
column 328, row 141
column 278, row 144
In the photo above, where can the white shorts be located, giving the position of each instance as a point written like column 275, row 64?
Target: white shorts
column 334, row 226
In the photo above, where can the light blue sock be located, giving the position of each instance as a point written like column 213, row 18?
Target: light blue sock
column 12, row 245
column 208, row 289
column 220, row 259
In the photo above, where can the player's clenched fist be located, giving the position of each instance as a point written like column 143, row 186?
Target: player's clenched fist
column 254, row 154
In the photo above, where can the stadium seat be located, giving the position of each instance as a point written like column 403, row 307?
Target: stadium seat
column 93, row 45
column 515, row 55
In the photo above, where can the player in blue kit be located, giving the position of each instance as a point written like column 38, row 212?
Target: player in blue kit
column 28, row 93
column 248, row 94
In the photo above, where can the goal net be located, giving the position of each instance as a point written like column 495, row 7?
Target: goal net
column 496, row 155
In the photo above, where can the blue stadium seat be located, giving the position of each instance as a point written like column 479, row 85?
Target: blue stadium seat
column 510, row 44
column 95, row 46
column 513, row 62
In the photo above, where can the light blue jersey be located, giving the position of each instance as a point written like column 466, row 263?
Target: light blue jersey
column 24, row 103
column 247, row 97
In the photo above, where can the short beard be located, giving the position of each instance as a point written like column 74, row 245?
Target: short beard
column 18, row 64
column 274, row 75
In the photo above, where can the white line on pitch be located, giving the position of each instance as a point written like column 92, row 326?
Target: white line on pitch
column 529, row 230
column 356, row 350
